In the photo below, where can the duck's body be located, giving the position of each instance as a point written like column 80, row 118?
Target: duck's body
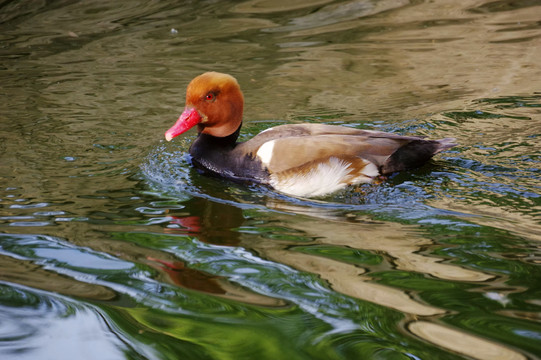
column 300, row 160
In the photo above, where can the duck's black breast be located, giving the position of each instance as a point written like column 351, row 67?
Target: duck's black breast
column 221, row 156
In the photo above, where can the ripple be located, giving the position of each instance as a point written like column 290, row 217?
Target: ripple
column 54, row 251
column 29, row 206
column 268, row 6
column 38, row 324
column 30, row 223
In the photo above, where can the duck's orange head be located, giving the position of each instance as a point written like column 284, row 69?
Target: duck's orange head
column 214, row 103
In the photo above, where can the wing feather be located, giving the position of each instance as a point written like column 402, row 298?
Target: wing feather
column 295, row 145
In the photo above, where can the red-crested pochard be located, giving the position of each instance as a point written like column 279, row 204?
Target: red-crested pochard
column 299, row 159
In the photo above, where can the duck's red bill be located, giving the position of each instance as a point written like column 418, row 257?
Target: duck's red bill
column 187, row 120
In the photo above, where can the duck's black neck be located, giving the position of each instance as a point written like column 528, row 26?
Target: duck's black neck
column 218, row 142
column 217, row 156
column 212, row 151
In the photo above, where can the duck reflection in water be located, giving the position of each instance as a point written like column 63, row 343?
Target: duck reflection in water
column 209, row 221
column 181, row 275
column 214, row 223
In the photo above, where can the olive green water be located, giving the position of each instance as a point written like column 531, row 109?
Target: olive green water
column 113, row 247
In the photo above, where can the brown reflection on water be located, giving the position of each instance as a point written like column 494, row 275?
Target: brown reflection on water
column 462, row 343
column 400, row 244
column 524, row 225
column 347, row 279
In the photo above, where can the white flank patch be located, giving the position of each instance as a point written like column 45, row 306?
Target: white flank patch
column 265, row 152
column 370, row 170
column 324, row 178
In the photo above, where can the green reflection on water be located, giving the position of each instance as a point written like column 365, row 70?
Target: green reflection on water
column 352, row 256
column 521, row 334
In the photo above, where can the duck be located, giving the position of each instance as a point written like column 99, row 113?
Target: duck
column 300, row 160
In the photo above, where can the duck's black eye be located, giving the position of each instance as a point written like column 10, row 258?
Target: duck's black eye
column 210, row 96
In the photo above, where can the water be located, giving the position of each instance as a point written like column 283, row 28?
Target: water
column 112, row 246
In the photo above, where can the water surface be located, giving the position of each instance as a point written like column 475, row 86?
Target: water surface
column 112, row 246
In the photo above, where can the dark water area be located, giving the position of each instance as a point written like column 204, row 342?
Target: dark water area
column 112, row 246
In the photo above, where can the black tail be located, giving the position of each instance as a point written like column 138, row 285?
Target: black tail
column 415, row 154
